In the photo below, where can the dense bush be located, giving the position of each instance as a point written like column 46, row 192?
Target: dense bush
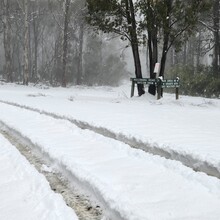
column 200, row 82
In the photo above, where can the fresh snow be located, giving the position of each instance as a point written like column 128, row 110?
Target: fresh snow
column 24, row 193
column 134, row 184
column 189, row 126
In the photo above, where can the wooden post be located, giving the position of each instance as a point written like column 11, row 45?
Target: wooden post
column 177, row 88
column 159, row 88
column 177, row 93
column 132, row 88
column 158, row 91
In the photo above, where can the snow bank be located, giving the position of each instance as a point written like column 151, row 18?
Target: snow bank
column 24, row 193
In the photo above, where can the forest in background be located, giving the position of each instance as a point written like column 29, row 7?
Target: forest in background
column 60, row 42
column 33, row 48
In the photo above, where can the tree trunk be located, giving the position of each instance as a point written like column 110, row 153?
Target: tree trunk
column 164, row 55
column 134, row 42
column 65, row 40
column 216, row 56
column 35, row 33
column 185, row 54
column 26, row 45
column 198, row 54
column 150, row 52
column 57, row 59
column 7, row 42
column 152, row 45
column 166, row 36
column 153, row 56
column 80, row 63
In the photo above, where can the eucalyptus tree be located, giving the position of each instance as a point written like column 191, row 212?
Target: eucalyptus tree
column 168, row 23
column 120, row 17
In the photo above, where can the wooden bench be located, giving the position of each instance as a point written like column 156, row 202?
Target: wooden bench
column 159, row 83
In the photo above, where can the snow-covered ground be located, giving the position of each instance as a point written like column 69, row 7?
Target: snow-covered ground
column 24, row 193
column 182, row 128
column 134, row 184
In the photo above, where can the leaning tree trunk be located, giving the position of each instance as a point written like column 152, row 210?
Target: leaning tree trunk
column 26, row 45
column 164, row 55
column 153, row 56
column 130, row 14
column 166, row 36
column 152, row 44
column 65, row 40
column 7, row 42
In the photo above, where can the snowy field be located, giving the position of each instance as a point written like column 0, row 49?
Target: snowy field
column 131, row 183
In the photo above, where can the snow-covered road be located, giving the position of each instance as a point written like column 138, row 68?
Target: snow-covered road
column 129, row 183
column 81, row 204
column 24, row 193
column 186, row 130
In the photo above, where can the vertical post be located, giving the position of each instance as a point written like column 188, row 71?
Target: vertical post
column 177, row 88
column 159, row 87
column 132, row 88
column 158, row 91
column 177, row 93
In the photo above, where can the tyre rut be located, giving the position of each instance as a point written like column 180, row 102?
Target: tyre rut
column 80, row 203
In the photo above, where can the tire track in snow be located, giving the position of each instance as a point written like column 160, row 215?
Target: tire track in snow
column 73, row 198
column 187, row 159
